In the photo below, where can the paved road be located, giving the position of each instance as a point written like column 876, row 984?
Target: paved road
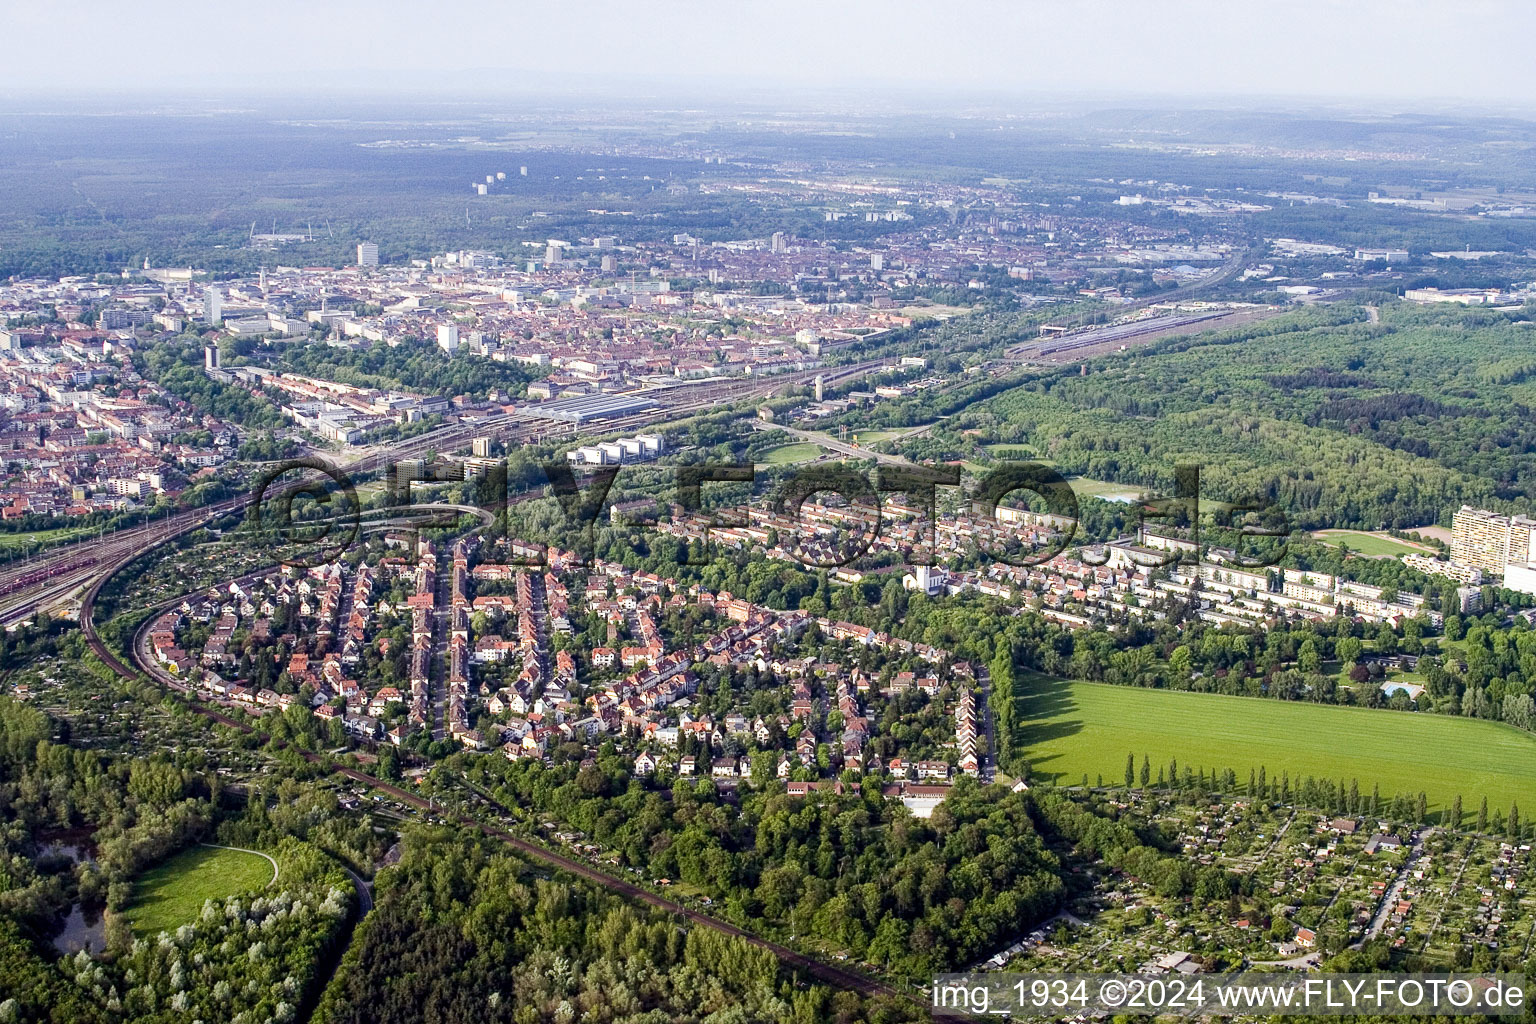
column 1228, row 270
column 841, row 447
column 364, row 892
column 441, row 621
column 1389, row 898
column 51, row 579
column 926, row 428
column 1299, row 962
column 989, row 729
column 831, row 974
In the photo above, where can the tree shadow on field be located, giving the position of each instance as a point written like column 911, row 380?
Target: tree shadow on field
column 1044, row 706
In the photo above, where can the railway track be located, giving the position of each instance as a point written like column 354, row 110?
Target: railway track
column 50, row 579
column 1125, row 333
column 1226, row 272
column 832, row 974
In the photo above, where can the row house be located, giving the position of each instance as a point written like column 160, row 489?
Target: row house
column 965, row 732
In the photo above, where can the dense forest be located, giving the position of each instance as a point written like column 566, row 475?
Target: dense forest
column 177, row 366
column 1338, row 421
column 252, row 958
column 852, row 869
column 413, row 365
column 466, row 932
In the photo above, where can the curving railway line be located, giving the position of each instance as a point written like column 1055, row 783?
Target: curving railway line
column 48, row 580
column 831, row 974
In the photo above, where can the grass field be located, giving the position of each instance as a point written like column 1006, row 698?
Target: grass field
column 1106, row 489
column 868, row 437
column 172, row 894
column 937, row 311
column 787, row 453
column 1072, row 727
column 44, row 538
column 1371, row 544
column 1016, row 452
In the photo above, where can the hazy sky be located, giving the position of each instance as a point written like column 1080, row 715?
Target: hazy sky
column 1393, row 49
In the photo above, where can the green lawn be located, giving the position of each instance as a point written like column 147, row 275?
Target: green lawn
column 868, row 437
column 1374, row 545
column 784, row 454
column 1071, row 727
column 44, row 538
column 1106, row 489
column 172, row 894
column 1015, row 452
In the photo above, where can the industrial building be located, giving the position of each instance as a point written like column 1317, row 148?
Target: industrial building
column 626, row 450
column 589, row 407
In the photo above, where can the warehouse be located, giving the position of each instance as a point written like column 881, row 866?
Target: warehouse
column 589, row 407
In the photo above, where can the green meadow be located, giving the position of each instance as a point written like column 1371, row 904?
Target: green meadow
column 1371, row 544
column 802, row 451
column 1071, row 728
column 171, row 894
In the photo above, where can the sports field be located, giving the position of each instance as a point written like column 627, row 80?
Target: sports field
column 1374, row 545
column 784, row 454
column 171, row 894
column 1070, row 728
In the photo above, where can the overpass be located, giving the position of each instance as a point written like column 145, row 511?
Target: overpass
column 853, row 451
